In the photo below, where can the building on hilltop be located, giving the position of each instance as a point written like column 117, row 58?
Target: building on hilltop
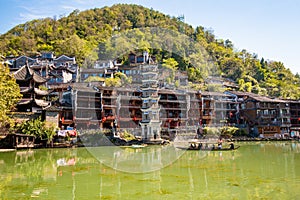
column 102, row 69
column 56, row 70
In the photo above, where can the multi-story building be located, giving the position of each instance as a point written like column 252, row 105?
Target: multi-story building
column 150, row 109
column 264, row 116
column 56, row 70
column 81, row 107
column 295, row 117
column 32, row 88
column 101, row 69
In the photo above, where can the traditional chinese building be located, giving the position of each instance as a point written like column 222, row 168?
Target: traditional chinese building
column 150, row 124
column 265, row 116
column 32, row 87
column 81, row 107
column 295, row 117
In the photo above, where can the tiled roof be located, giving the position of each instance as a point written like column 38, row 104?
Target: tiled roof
column 88, row 87
column 41, row 102
column 214, row 94
column 26, row 89
column 55, row 75
column 52, row 109
column 258, row 97
column 64, row 67
column 25, row 74
column 42, row 92
column 24, row 101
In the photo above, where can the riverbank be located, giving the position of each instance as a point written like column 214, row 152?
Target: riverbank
column 251, row 139
column 92, row 141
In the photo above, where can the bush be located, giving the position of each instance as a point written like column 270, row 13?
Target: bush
column 211, row 131
column 226, row 131
column 37, row 128
column 127, row 136
column 229, row 131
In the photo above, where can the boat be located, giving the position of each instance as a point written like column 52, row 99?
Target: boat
column 214, row 149
column 204, row 146
column 137, row 146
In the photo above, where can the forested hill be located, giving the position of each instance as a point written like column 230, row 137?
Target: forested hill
column 80, row 33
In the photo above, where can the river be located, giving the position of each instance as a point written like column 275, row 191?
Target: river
column 257, row 170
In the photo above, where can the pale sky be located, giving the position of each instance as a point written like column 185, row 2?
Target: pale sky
column 269, row 28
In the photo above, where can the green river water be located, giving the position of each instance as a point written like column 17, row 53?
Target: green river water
column 262, row 170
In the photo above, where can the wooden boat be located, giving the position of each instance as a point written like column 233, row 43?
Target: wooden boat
column 214, row 149
column 203, row 146
column 137, row 146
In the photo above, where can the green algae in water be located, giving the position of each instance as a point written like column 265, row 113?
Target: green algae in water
column 254, row 171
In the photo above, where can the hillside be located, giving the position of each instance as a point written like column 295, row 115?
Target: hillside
column 81, row 32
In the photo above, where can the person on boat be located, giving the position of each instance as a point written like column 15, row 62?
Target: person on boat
column 193, row 146
column 220, row 141
column 200, row 146
column 206, row 146
column 231, row 145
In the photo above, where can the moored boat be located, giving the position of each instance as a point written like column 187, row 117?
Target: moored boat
column 137, row 146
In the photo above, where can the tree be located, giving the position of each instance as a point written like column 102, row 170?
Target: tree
column 94, row 79
column 9, row 95
column 125, row 80
column 170, row 64
column 37, row 128
column 113, row 82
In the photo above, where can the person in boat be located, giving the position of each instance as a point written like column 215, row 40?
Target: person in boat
column 200, row 146
column 231, row 145
column 220, row 141
column 206, row 146
column 193, row 146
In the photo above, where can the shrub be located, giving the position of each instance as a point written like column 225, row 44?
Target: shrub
column 127, row 136
column 37, row 128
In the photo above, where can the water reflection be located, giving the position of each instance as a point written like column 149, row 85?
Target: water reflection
column 142, row 160
column 256, row 170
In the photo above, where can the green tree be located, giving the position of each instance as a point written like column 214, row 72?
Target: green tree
column 113, row 82
column 37, row 128
column 170, row 64
column 94, row 79
column 9, row 95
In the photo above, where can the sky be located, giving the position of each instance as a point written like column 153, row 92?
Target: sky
column 268, row 28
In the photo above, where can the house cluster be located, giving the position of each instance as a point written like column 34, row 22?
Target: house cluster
column 149, row 107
